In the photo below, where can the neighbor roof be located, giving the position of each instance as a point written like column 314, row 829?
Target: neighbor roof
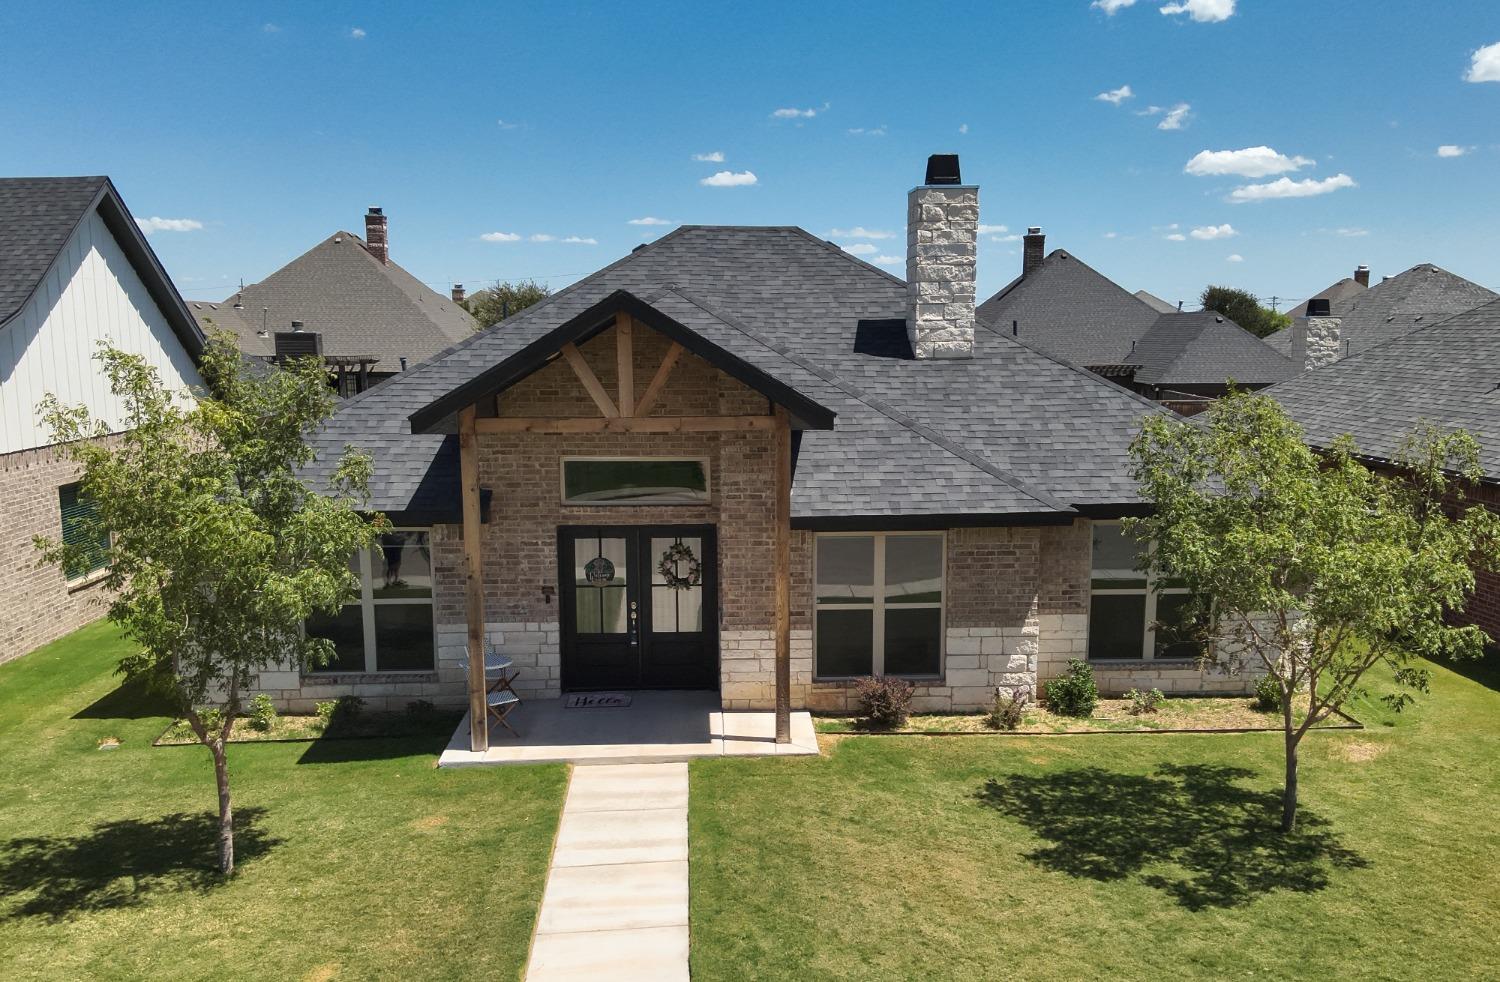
column 1447, row 373
column 1342, row 290
column 359, row 305
column 1010, row 433
column 1154, row 302
column 1206, row 348
column 1406, row 302
column 37, row 218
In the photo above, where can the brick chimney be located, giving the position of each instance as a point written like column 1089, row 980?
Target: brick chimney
column 458, row 293
column 942, row 234
column 1316, row 339
column 1362, row 275
column 1033, row 250
column 376, row 243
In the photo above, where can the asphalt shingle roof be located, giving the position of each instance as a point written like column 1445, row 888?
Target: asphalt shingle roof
column 1406, row 302
column 1154, row 302
column 1008, row 431
column 1342, row 290
column 1205, row 348
column 1447, row 373
column 37, row 215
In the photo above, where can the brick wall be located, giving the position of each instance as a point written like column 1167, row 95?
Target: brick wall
column 37, row 604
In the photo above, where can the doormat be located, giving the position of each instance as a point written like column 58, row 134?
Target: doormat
column 597, row 700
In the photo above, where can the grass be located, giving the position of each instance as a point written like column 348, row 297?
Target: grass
column 357, row 859
column 428, row 723
column 1064, row 858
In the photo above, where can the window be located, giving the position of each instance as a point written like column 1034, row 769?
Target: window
column 616, row 481
column 1127, row 606
column 878, row 605
column 82, row 529
column 388, row 628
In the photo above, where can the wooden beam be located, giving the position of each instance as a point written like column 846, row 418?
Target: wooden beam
column 468, row 465
column 625, row 424
column 659, row 380
column 625, row 363
column 782, row 536
column 589, row 379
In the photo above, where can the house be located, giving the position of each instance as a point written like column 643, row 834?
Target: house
column 1397, row 305
column 1071, row 311
column 1154, row 302
column 75, row 271
column 1446, row 373
column 741, row 459
column 1345, row 288
column 348, row 301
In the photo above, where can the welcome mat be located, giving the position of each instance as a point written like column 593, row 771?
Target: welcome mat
column 597, row 700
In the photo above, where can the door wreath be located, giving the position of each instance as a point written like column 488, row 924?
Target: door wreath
column 680, row 552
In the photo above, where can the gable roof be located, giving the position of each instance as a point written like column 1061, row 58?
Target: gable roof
column 361, row 306
column 1010, row 432
column 1447, row 374
column 1206, row 348
column 1342, row 290
column 1154, row 302
column 38, row 216
column 1419, row 297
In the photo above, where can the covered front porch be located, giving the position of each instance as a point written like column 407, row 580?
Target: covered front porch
column 657, row 726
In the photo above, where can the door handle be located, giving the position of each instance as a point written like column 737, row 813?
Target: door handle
column 634, row 629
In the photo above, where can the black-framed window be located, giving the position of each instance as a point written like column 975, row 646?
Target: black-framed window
column 878, row 604
column 634, row 481
column 389, row 626
column 82, row 529
column 1132, row 613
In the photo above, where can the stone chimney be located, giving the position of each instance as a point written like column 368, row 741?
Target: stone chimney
column 1033, row 250
column 376, row 243
column 1362, row 275
column 458, row 293
column 1316, row 338
column 942, row 233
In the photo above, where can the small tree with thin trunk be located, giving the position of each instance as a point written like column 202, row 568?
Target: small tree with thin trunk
column 216, row 550
column 1312, row 567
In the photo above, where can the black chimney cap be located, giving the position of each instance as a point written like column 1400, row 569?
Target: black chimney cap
column 1319, row 307
column 376, row 211
column 942, row 168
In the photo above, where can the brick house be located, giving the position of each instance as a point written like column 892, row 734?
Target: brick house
column 741, row 459
column 74, row 270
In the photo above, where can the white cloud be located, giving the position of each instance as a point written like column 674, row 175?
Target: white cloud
column 1176, row 117
column 992, row 230
column 506, row 125
column 1202, row 11
column 791, row 112
column 1111, row 6
column 1207, row 233
column 1234, row 257
column 888, row 260
column 1150, row 111
column 1111, row 235
column 712, row 157
column 1486, row 65
column 963, row 128
column 154, row 224
column 859, row 232
column 1285, row 187
column 357, row 33
column 872, row 131
column 1115, row 96
column 1013, row 237
column 1451, row 150
column 730, row 179
column 581, row 240
column 1177, row 237
column 270, row 28
column 650, row 220
column 500, row 237
column 1351, row 233
column 1249, row 162
column 541, row 237
column 860, row 249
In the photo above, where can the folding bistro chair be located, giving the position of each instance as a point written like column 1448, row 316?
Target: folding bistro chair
column 499, row 696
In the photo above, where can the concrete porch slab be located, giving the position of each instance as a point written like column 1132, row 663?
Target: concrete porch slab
column 655, row 727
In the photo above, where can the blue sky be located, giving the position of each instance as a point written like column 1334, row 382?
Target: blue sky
column 255, row 130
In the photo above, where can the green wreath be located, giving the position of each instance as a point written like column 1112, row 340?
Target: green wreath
column 680, row 552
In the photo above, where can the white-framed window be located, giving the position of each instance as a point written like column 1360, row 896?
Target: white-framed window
column 634, row 480
column 1132, row 614
column 388, row 627
column 878, row 604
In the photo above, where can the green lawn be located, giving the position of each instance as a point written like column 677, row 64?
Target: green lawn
column 357, row 859
column 1111, row 856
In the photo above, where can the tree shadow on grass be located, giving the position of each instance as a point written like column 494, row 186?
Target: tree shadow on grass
column 335, row 749
column 131, row 699
column 1190, row 831
column 120, row 864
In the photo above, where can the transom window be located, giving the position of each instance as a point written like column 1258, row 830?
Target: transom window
column 388, row 627
column 634, row 481
column 1133, row 614
column 879, row 605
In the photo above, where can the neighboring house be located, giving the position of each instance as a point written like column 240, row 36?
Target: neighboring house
column 1447, row 373
column 1069, row 310
column 344, row 299
column 1397, row 305
column 1155, row 303
column 1345, row 288
column 635, row 469
column 75, row 270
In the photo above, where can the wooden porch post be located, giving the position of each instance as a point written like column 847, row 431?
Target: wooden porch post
column 783, row 540
column 468, row 457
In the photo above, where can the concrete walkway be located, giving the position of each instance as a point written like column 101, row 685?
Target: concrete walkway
column 616, row 902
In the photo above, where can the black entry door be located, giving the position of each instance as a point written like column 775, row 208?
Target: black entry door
column 639, row 607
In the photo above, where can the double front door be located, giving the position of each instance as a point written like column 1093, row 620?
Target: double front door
column 639, row 607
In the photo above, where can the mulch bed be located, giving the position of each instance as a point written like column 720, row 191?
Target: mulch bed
column 303, row 729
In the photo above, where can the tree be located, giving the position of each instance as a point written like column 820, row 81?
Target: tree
column 503, row 299
column 1244, row 309
column 217, row 551
column 1310, row 566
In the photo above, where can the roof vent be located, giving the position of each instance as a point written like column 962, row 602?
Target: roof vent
column 1319, row 307
column 942, row 168
column 297, row 326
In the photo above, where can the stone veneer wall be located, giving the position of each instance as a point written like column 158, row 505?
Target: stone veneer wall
column 942, row 235
column 1316, row 341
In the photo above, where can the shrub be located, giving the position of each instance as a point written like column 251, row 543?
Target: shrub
column 886, row 702
column 340, row 711
column 420, row 712
column 262, row 713
column 1144, row 702
column 1268, row 694
column 1007, row 711
column 1075, row 693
